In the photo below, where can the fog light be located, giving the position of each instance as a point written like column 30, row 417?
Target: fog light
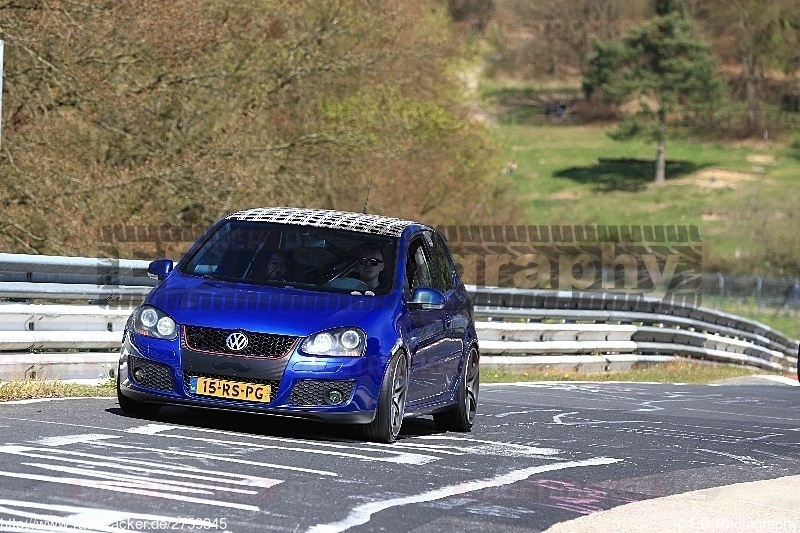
column 335, row 396
column 138, row 375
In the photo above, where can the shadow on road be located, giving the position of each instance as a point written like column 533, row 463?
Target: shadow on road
column 273, row 426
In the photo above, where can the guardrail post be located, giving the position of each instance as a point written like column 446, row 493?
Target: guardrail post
column 759, row 283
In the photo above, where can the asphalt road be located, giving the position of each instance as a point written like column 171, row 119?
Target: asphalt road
column 540, row 454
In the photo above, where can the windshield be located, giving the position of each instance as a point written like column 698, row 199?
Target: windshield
column 296, row 256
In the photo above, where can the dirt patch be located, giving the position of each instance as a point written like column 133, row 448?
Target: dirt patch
column 565, row 195
column 761, row 159
column 711, row 216
column 716, row 178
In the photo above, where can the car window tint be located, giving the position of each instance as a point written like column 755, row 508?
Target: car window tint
column 418, row 269
column 443, row 268
column 290, row 255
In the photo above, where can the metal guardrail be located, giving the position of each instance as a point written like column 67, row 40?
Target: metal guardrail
column 73, row 278
column 587, row 330
column 662, row 327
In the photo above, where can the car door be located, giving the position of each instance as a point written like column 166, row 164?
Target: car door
column 456, row 315
column 425, row 327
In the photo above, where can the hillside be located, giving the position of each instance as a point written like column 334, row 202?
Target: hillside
column 171, row 114
column 742, row 195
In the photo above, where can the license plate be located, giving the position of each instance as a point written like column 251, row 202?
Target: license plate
column 230, row 390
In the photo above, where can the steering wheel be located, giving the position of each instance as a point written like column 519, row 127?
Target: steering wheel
column 345, row 271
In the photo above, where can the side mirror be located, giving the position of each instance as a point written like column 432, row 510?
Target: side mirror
column 426, row 298
column 160, row 268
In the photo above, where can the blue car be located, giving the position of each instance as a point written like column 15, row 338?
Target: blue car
column 324, row 315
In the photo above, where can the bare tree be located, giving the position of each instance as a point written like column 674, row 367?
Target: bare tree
column 173, row 113
column 756, row 36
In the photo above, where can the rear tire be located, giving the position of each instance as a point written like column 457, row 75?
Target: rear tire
column 461, row 417
column 391, row 402
column 135, row 408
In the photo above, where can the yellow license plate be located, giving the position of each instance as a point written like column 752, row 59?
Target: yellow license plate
column 230, row 390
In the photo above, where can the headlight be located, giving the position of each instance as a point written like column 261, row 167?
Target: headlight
column 154, row 323
column 347, row 342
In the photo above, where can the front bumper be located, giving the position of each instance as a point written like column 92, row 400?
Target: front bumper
column 299, row 392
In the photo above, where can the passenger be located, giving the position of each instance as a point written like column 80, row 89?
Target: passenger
column 276, row 267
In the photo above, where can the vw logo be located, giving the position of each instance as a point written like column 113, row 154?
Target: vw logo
column 236, row 341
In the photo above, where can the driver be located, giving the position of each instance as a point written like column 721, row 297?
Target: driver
column 276, row 267
column 370, row 267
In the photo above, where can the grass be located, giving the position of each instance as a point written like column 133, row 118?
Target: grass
column 785, row 321
column 576, row 175
column 673, row 372
column 30, row 389
column 734, row 192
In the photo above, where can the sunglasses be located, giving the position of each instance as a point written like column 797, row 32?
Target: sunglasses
column 371, row 261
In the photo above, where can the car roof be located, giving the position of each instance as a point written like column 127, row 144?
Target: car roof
column 323, row 218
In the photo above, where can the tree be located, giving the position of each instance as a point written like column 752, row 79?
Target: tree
column 756, row 35
column 149, row 113
column 472, row 10
column 541, row 38
column 663, row 67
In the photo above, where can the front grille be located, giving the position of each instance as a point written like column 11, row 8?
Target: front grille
column 156, row 375
column 258, row 345
column 312, row 391
column 273, row 385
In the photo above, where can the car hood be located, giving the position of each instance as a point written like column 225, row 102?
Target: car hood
column 220, row 304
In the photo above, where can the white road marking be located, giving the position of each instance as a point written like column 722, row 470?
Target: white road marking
column 125, row 488
column 557, row 418
column 212, row 457
column 741, row 458
column 182, row 471
column 760, row 416
column 434, row 448
column 397, row 456
column 40, row 400
column 74, row 439
column 400, row 457
column 54, row 423
column 150, row 429
column 491, row 447
column 362, row 514
column 143, row 481
column 503, row 415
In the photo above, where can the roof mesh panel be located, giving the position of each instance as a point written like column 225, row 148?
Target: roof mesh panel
column 322, row 218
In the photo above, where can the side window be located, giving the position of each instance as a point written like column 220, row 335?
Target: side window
column 418, row 267
column 443, row 268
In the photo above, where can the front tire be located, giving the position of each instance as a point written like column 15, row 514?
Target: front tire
column 461, row 417
column 132, row 407
column 391, row 402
